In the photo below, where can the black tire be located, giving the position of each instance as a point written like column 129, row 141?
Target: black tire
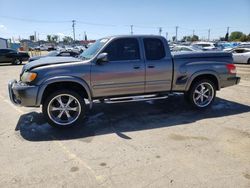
column 248, row 62
column 190, row 95
column 17, row 62
column 20, row 62
column 50, row 103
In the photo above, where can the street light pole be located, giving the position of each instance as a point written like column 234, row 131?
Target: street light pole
column 73, row 26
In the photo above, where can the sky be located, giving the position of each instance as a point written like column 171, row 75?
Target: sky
column 100, row 18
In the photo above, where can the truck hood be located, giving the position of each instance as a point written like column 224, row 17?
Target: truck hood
column 36, row 58
column 211, row 54
column 49, row 61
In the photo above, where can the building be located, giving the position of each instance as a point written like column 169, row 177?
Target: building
column 3, row 43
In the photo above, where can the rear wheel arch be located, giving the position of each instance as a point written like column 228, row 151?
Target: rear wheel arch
column 200, row 76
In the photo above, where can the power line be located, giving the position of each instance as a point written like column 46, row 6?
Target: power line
column 96, row 24
column 33, row 20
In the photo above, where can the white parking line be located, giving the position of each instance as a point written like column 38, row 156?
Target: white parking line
column 70, row 154
column 12, row 105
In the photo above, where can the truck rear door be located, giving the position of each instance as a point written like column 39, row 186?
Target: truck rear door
column 158, row 63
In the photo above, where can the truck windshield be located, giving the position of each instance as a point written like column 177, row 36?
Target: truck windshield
column 93, row 49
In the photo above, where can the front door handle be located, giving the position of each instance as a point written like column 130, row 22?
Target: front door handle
column 151, row 66
column 136, row 67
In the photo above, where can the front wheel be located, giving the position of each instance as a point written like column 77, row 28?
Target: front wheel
column 64, row 108
column 201, row 94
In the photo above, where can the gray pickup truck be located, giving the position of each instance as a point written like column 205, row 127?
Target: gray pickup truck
column 116, row 69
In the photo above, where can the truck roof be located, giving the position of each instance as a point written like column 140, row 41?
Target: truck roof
column 134, row 36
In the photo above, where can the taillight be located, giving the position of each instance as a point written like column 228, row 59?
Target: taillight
column 231, row 68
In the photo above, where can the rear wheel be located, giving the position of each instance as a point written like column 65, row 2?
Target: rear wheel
column 64, row 108
column 248, row 62
column 201, row 94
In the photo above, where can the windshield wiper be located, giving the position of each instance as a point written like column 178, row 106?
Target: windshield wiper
column 82, row 57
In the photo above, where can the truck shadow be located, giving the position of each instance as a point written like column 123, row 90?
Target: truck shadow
column 9, row 64
column 126, row 117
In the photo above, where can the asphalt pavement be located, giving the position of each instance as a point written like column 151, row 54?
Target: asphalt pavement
column 160, row 143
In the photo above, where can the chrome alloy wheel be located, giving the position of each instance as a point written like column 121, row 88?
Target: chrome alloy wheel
column 64, row 109
column 203, row 94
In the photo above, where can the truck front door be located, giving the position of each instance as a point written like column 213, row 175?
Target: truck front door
column 158, row 63
column 123, row 74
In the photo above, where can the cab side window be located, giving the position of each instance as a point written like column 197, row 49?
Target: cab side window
column 154, row 49
column 123, row 49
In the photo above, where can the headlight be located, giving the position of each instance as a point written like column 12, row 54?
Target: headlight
column 28, row 76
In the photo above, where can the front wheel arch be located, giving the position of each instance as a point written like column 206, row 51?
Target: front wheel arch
column 66, row 83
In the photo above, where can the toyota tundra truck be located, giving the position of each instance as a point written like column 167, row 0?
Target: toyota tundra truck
column 116, row 69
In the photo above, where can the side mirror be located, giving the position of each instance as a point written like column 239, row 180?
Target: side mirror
column 102, row 58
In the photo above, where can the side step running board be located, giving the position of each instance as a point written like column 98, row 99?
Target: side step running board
column 134, row 99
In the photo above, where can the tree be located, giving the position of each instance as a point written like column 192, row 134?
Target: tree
column 244, row 38
column 190, row 38
column 186, row 38
column 49, row 39
column 194, row 38
column 235, row 36
column 55, row 38
column 67, row 40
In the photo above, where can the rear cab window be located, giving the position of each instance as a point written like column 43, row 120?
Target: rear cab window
column 154, row 49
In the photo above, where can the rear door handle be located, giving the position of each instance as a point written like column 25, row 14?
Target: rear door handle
column 151, row 66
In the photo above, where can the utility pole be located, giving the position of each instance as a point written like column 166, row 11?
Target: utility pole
column 176, row 33
column 34, row 36
column 193, row 32
column 131, row 29
column 160, row 30
column 208, row 38
column 166, row 35
column 73, row 26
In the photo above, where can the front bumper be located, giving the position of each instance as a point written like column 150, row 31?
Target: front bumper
column 22, row 94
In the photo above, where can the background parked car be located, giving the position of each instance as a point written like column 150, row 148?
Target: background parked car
column 185, row 49
column 241, row 55
column 206, row 46
column 12, row 56
column 56, row 53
